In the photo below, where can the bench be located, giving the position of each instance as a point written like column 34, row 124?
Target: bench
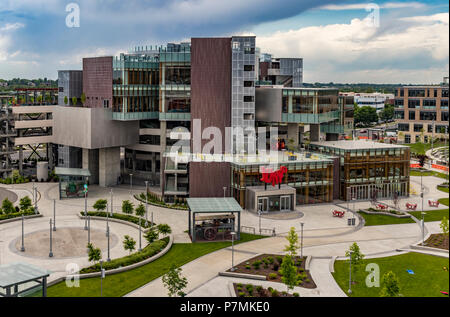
column 411, row 206
column 338, row 213
column 432, row 203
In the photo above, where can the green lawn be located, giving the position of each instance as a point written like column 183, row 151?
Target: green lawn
column 443, row 189
column 421, row 148
column 428, row 173
column 378, row 220
column 117, row 285
column 429, row 278
column 443, row 201
column 431, row 215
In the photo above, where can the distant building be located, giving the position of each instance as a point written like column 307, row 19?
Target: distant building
column 422, row 108
column 375, row 100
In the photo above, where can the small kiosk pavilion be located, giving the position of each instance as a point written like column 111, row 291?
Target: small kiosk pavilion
column 214, row 219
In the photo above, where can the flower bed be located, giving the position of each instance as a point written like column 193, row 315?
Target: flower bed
column 268, row 265
column 390, row 212
column 128, row 218
column 29, row 212
column 155, row 202
column 250, row 290
column 438, row 240
column 149, row 251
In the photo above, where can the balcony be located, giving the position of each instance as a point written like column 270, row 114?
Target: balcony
column 132, row 116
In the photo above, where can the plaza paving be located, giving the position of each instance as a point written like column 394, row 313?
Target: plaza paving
column 324, row 236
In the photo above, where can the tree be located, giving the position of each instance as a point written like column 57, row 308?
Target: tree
column 127, row 207
column 288, row 272
column 444, row 226
column 140, row 210
column 94, row 254
column 293, row 246
column 151, row 235
column 164, row 229
column 66, row 100
column 74, row 101
column 8, row 206
column 174, row 281
column 25, row 203
column 100, row 205
column 365, row 115
column 390, row 287
column 387, row 113
column 129, row 243
column 83, row 98
column 356, row 258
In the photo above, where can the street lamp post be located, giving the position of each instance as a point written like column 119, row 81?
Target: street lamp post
column 102, row 276
column 54, row 214
column 85, row 208
column 22, row 248
column 301, row 243
column 108, row 259
column 112, row 203
column 146, row 204
column 35, row 199
column 89, row 229
column 140, row 238
column 350, row 275
column 107, row 222
column 131, row 183
column 259, row 214
column 224, row 191
column 50, row 254
column 423, row 227
column 232, row 252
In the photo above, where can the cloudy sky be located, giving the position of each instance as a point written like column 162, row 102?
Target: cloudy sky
column 340, row 41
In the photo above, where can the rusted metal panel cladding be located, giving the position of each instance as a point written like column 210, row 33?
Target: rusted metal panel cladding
column 97, row 81
column 210, row 102
column 263, row 69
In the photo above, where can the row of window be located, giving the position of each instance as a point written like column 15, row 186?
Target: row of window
column 422, row 93
column 418, row 128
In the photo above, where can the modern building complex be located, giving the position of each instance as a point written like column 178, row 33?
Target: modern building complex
column 138, row 107
column 422, row 112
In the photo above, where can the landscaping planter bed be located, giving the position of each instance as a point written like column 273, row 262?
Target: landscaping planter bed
column 269, row 268
column 438, row 240
column 250, row 290
column 390, row 212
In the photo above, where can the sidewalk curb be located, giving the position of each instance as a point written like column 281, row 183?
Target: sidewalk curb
column 308, row 262
column 131, row 224
column 20, row 218
column 243, row 275
column 231, row 289
column 121, row 269
column 331, row 267
column 425, row 248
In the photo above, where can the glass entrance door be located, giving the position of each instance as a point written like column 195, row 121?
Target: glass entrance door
column 285, row 203
column 263, row 204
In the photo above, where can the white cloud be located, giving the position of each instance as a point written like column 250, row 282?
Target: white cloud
column 363, row 6
column 355, row 52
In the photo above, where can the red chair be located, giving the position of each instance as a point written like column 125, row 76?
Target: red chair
column 338, row 213
column 432, row 203
column 411, row 206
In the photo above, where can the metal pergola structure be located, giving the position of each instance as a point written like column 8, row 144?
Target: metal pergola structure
column 225, row 205
column 19, row 278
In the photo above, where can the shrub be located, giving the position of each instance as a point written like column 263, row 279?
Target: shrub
column 256, row 264
column 259, row 288
column 276, row 266
column 140, row 210
column 25, row 203
column 8, row 206
column 147, row 252
column 273, row 276
column 127, row 207
column 128, row 218
column 100, row 205
column 296, row 294
column 151, row 235
column 270, row 289
column 164, row 229
column 248, row 267
column 279, row 259
column 241, row 294
column 275, row 293
column 239, row 285
column 284, row 293
column 269, row 259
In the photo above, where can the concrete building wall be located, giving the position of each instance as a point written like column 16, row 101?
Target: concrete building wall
column 210, row 102
column 268, row 104
column 91, row 162
column 109, row 166
column 92, row 128
column 97, row 81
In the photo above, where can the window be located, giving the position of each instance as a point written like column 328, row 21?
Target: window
column 435, row 93
column 105, row 103
column 248, row 83
column 416, row 93
column 249, row 98
column 444, row 92
column 402, row 92
column 249, row 50
column 398, row 103
column 412, row 115
column 407, row 138
column 236, row 45
column 248, row 116
column 428, row 115
column 403, row 127
column 399, row 114
column 429, row 103
column 418, row 127
column 444, row 116
column 444, row 103
column 249, row 68
column 413, row 103
column 60, row 89
column 417, row 138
